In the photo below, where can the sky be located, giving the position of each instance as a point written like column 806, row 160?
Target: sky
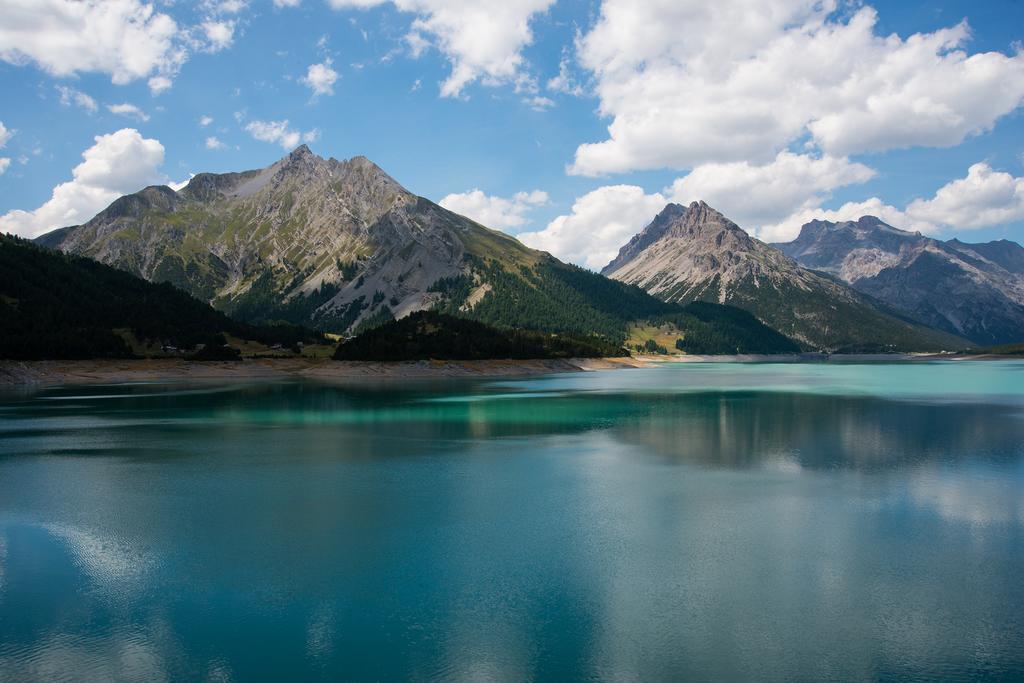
column 569, row 123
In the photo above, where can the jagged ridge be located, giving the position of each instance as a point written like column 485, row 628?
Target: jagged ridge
column 695, row 253
column 973, row 290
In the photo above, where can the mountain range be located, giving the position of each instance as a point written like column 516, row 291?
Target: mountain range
column 341, row 246
column 694, row 253
column 972, row 290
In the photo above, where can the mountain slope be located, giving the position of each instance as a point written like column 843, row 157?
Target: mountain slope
column 60, row 306
column 695, row 253
column 339, row 245
column 973, row 290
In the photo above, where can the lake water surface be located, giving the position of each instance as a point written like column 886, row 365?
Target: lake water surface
column 690, row 522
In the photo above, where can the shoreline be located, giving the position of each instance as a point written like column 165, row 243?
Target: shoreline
column 40, row 373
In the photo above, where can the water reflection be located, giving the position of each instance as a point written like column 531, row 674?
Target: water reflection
column 512, row 530
column 736, row 428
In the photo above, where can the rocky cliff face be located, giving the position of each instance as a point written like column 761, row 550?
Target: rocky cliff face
column 337, row 244
column 696, row 253
column 973, row 290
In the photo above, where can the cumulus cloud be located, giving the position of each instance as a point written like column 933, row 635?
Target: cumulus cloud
column 753, row 194
column 601, row 221
column 69, row 96
column 219, row 34
column 984, row 198
column 753, row 76
column 321, row 78
column 280, row 133
column 126, row 109
column 482, row 40
column 126, row 39
column 4, row 163
column 213, row 143
column 204, row 121
column 495, row 212
column 286, row 3
column 116, row 164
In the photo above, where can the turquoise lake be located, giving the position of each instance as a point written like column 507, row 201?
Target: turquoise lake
column 688, row 522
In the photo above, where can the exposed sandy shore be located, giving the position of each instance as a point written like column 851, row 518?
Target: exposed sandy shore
column 21, row 373
column 823, row 357
column 50, row 372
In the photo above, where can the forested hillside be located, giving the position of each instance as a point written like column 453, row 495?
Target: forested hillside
column 429, row 334
column 55, row 305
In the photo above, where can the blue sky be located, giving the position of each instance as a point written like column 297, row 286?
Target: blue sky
column 774, row 111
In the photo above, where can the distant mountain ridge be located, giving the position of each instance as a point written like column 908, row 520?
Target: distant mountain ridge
column 695, row 253
column 340, row 244
column 972, row 290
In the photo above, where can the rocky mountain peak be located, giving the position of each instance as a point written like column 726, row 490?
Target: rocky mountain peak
column 301, row 160
column 696, row 223
column 871, row 222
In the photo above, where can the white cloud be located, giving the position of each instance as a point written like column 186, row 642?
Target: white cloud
column 539, row 102
column 158, row 84
column 279, row 133
column 482, row 39
column 126, row 109
column 984, row 198
column 204, row 121
column 225, row 6
column 213, row 143
column 219, row 34
column 321, row 78
column 600, row 223
column 286, row 3
column 69, row 96
column 126, row 39
column 565, row 82
column 4, row 163
column 116, row 164
column 753, row 195
column 687, row 82
column 494, row 212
